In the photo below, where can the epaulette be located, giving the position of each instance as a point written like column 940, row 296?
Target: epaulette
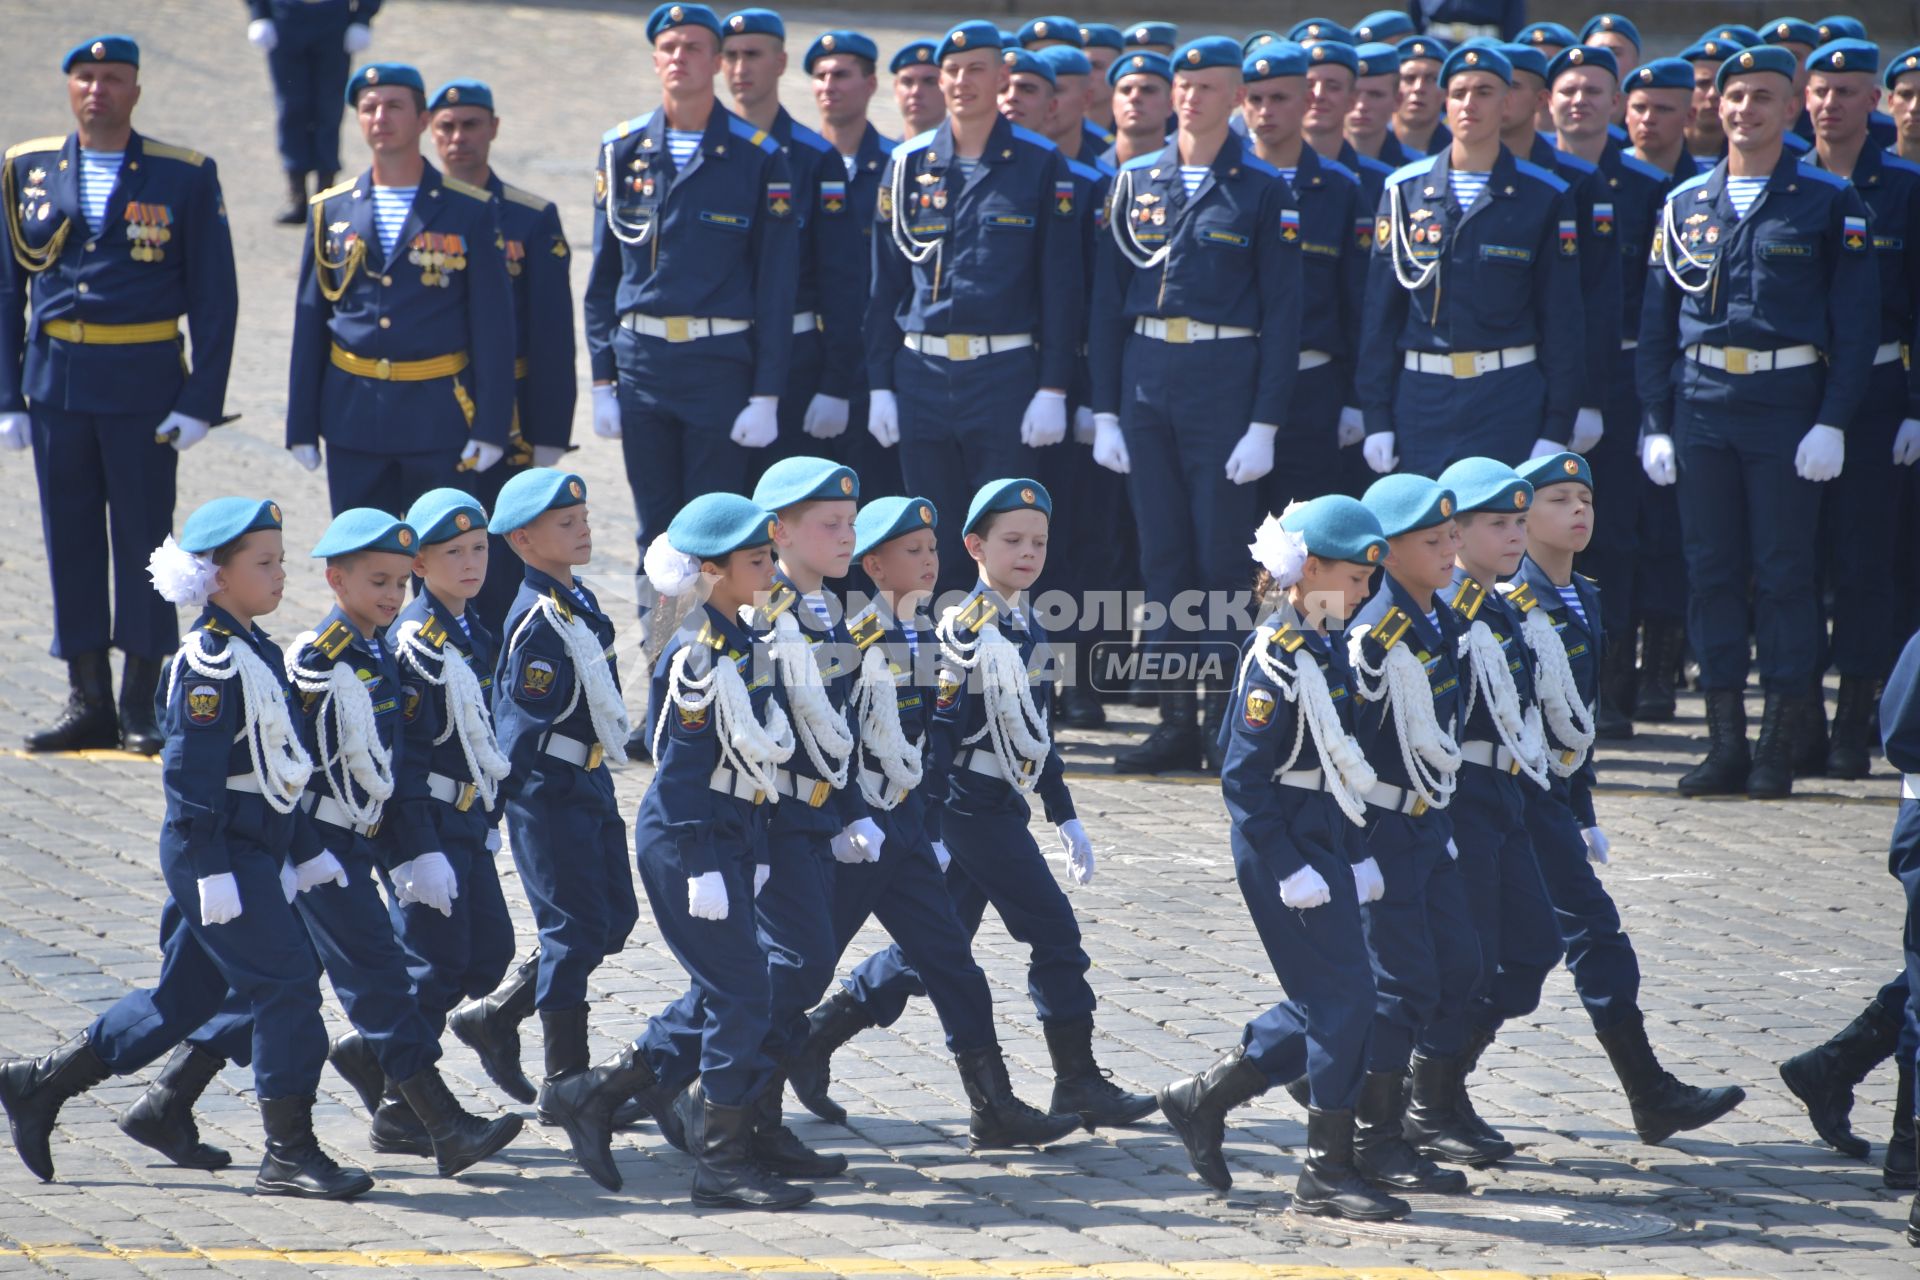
column 1286, row 639
column 710, row 638
column 1468, row 599
column 1084, row 171
column 566, row 610
column 866, row 630
column 1335, row 167
column 1377, row 166
column 975, row 614
column 334, row 640
column 432, row 633
column 1411, row 169
column 1641, row 167
column 1579, row 164
column 626, row 127
column 1814, row 171
column 517, row 196
column 1258, row 165
column 1036, row 139
column 813, row 140
column 35, row 146
column 216, row 627
column 1534, row 171
column 1888, row 160
column 167, row 151
column 778, row 602
column 1392, row 628
column 332, row 191
column 466, row 189
column 917, row 142
column 1521, row 597
column 1141, row 162
column 755, row 137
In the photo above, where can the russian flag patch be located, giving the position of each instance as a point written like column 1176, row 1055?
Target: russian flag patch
column 1854, row 232
column 1289, row 225
column 1569, row 239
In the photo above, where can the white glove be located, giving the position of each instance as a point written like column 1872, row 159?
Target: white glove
column 289, row 881
column 1822, row 452
column 1079, row 849
column 866, row 837
column 1305, row 889
column 181, row 432
column 359, row 36
column 430, row 882
column 1253, row 456
column 307, row 455
column 493, row 840
column 1545, row 448
column 883, row 418
column 826, row 417
column 1083, row 425
column 16, row 430
column 479, row 455
column 1599, row 848
column 1656, row 459
column 843, row 848
column 319, row 870
column 548, row 455
column 606, row 412
column 756, row 426
column 1906, row 444
column 1588, row 427
column 219, row 898
column 707, row 896
column 1045, row 421
column 1453, row 850
column 761, row 871
column 940, row 854
column 1109, row 444
column 1353, row 427
column 1377, row 449
column 262, row 35
column 1368, row 882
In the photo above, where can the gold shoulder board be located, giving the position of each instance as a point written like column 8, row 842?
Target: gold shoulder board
column 1390, row 630
column 1467, row 601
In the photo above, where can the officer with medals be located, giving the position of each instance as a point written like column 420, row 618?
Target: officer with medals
column 403, row 327
column 916, row 86
column 112, row 239
column 1418, row 113
column 309, row 46
column 1756, row 356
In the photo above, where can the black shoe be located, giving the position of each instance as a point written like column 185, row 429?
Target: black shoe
column 354, row 1059
column 999, row 1117
column 1913, row 1224
column 1197, row 1109
column 1900, row 1172
column 1850, row 747
column 1431, row 1125
column 396, row 1130
column 1078, row 708
column 810, row 1074
column 724, row 1173
column 1081, row 1087
column 294, row 211
column 1663, row 653
column 564, row 1032
column 1771, row 777
column 460, row 1140
column 33, row 1089
column 1823, row 1078
column 1662, row 1106
column 778, row 1149
column 88, row 721
column 294, row 1164
column 162, row 1117
column 1174, row 745
column 1724, row 771
column 655, row 1101
column 584, row 1104
column 139, row 731
column 491, row 1028
column 1330, row 1185
column 1615, row 720
column 1381, row 1153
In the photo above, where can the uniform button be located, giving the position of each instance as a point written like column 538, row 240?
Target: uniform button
column 386, row 322
column 386, row 279
column 83, row 286
column 91, row 246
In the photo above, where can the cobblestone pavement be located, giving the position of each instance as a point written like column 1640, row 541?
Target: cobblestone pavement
column 1761, row 928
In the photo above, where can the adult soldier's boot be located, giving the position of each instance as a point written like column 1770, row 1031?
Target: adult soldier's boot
column 1724, row 771
column 294, row 1164
column 33, row 1089
column 1850, row 747
column 724, row 1173
column 565, row 1033
column 1432, row 1125
column 1615, row 723
column 1215, row 705
column 1197, row 1109
column 1771, row 777
column 1381, row 1152
column 1661, row 651
column 1081, row 1087
column 491, row 1028
column 1810, row 733
column 584, row 1104
column 162, row 1117
column 1662, row 1106
column 1174, row 745
column 1330, row 1185
column 1000, row 1118
column 139, row 731
column 359, row 1066
column 1823, row 1078
column 1079, row 708
column 460, row 1140
column 1477, row 1044
column 836, row 1021
column 778, row 1149
column 294, row 211
column 1899, row 1173
column 87, row 722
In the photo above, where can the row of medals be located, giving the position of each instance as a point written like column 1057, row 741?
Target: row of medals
column 435, row 265
column 147, row 239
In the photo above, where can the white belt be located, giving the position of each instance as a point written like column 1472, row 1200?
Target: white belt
column 1910, row 786
column 245, row 782
column 1460, row 32
column 573, row 751
column 872, row 781
column 1888, row 352
column 1628, row 344
column 447, row 791
column 1469, row 364
column 1385, row 795
column 683, row 328
column 327, row 809
column 1305, row 779
column 1179, row 329
column 1490, row 755
column 1313, row 360
column 788, row 783
column 965, row 346
column 805, row 322
column 986, row 762
column 734, row 783
column 1747, row 360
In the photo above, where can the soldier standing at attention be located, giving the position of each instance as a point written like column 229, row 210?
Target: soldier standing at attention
column 1103, row 45
column 309, row 46
column 1417, row 114
column 916, row 86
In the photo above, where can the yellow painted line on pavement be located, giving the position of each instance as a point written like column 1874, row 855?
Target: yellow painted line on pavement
column 109, row 754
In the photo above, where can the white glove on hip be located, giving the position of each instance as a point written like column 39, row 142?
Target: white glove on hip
column 1377, row 449
column 219, row 898
column 320, row 869
column 262, row 35
column 16, row 431
column 707, row 896
column 826, row 417
column 1599, row 848
column 1109, row 444
column 1588, row 427
column 359, row 36
column 1822, row 452
column 1305, row 889
column 289, row 881
column 761, row 871
column 1368, row 882
column 1656, row 459
column 1079, row 849
column 181, row 432
column 883, row 418
column 1545, row 448
column 606, row 412
column 479, row 455
column 1083, row 426
column 1353, row 426
column 940, row 854
column 307, row 455
column 1253, row 456
column 757, row 425
column 1906, row 443
column 548, row 455
column 1045, row 421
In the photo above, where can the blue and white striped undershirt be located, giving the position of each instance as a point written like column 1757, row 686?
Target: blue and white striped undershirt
column 466, row 628
column 1191, row 175
column 1571, row 594
column 816, row 601
column 966, row 165
column 1467, row 186
column 373, row 647
column 390, row 208
column 1744, row 191
column 99, row 172
column 1290, row 174
column 681, row 144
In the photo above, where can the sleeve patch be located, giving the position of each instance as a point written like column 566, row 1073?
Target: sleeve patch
column 203, row 703
column 536, row 677
column 1260, row 706
column 409, row 702
column 692, row 719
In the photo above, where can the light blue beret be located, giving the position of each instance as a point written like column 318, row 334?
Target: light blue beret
column 792, row 480
column 215, row 524
column 1336, row 527
column 1905, row 64
column 1065, row 59
column 1766, row 57
column 1025, row 61
column 1017, row 494
column 1840, row 27
column 102, row 49
column 1205, row 52
column 1388, row 25
column 968, row 36
column 1661, row 73
column 1485, row 484
column 1732, row 33
column 1142, row 62
column 913, row 53
column 385, row 75
column 1413, row 47
column 1101, row 35
column 1053, row 27
column 1617, row 23
column 1477, row 58
column 365, row 529
column 1845, row 54
column 829, row 43
column 753, row 22
column 1791, row 31
column 1524, row 57
column 1546, row 33
column 1320, row 29
column 532, row 494
column 1377, row 59
column 1271, row 61
column 715, row 524
column 462, row 93
column 1333, row 53
column 1150, row 35
column 668, row 16
column 1404, row 503
column 1583, row 55
column 1557, row 468
column 885, row 519
column 441, row 515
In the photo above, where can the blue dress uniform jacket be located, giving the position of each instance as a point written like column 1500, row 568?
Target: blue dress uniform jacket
column 863, row 197
column 1373, row 174
column 1586, row 646
column 316, row 13
column 831, row 241
column 1391, row 615
column 839, row 663
column 538, row 261
column 1506, row 15
column 336, row 641
column 1336, row 235
column 1601, row 264
column 1890, row 186
column 1394, row 153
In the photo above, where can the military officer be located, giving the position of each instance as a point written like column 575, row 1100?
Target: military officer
column 1418, row 112
column 1375, row 92
column 1546, row 39
column 309, row 46
column 1333, row 70
column 112, row 239
column 916, row 86
column 1903, row 95
column 1660, row 110
column 1103, row 45
column 1077, row 137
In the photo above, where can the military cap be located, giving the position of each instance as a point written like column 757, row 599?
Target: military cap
column 1259, row 38
column 1147, row 34
column 1710, row 50
column 1524, row 57
column 1557, row 468
column 1733, row 33
column 1845, row 54
column 1020, row 60
column 1903, row 64
column 885, row 519
column 717, row 524
column 1055, row 28
column 1142, row 62
column 1272, row 61
column 1065, row 59
column 832, row 42
column 1840, row 27
column 1332, row 53
column 912, row 54
column 214, row 524
column 462, row 93
column 532, row 494
column 1377, row 59
column 753, row 22
column 441, row 515
column 1415, row 47
column 1790, row 31
column 1321, row 29
column 1207, row 51
column 968, row 36
column 1766, row 57
column 1336, row 527
column 1008, row 40
column 1583, row 55
column 102, row 49
column 668, row 16
column 1385, row 25
column 1101, row 35
column 1617, row 23
column 1477, row 58
column 365, row 529
column 792, row 480
column 376, row 75
column 1406, row 503
column 1017, row 494
column 1661, row 73
column 1485, row 484
column 1537, row 34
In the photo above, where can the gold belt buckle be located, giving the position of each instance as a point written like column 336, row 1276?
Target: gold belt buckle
column 1513, row 765
column 373, row 829
column 1566, row 757
column 959, row 347
column 463, row 801
column 383, row 369
column 1465, row 364
column 679, row 329
column 1419, row 807
column 759, row 796
column 595, row 754
column 1179, row 329
column 821, row 790
column 1739, row 359
column 79, row 331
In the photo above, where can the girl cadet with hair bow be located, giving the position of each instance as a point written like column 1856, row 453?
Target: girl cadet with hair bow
column 1295, row 783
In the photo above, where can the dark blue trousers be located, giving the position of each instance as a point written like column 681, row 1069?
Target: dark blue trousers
column 1307, row 453
column 390, row 482
column 1903, row 862
column 1617, row 480
column 1861, row 520
column 803, row 380
column 677, row 406
column 1606, row 972
column 571, row 851
column 1660, row 563
column 1420, row 937
column 1439, row 419
column 1512, row 915
column 451, row 958
column 309, row 67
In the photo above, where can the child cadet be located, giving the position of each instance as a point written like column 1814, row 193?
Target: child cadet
column 233, row 769
column 1296, row 785
column 895, row 541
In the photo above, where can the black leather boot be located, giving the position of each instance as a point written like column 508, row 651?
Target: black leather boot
column 139, row 731
column 1380, row 1149
column 1197, row 1109
column 832, row 1024
column 87, row 722
column 1617, row 681
column 162, row 1117
column 33, row 1090
column 1724, row 771
column 1899, row 1172
column 778, row 1149
column 357, row 1064
column 639, row 747
column 1081, row 1087
column 1771, row 777
column 1000, row 1118
column 396, row 1129
column 1823, row 1078
column 1431, row 1125
column 491, row 1028
column 584, row 1104
column 1850, row 747
column 1477, row 1044
column 1662, row 651
column 1330, row 1186
column 565, row 1034
column 1301, row 1091
column 1079, row 708
column 1913, row 1223
column 460, row 1140
column 294, row 211
column 1174, row 745
column 724, row 1173
column 1661, row 1105
column 1214, row 708
column 1810, row 733
column 294, row 1164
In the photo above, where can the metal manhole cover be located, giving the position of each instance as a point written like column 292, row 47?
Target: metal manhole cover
column 1482, row 1220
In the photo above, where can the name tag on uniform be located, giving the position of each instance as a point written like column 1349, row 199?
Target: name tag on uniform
column 1889, row 244
column 1228, row 238
column 929, row 228
column 1505, row 253
column 731, row 221
column 1577, row 649
column 1786, row 249
column 1320, row 250
column 1019, row 221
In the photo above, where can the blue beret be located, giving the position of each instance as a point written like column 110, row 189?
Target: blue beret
column 441, row 515
column 1259, row 38
column 1405, row 503
column 1065, row 59
column 1766, row 57
column 885, row 519
column 1320, row 29
column 913, row 53
column 1008, row 40
column 1377, row 59
column 1710, row 49
column 1662, row 73
column 1205, row 52
column 1020, row 60
column 1053, row 27
column 716, row 524
column 1553, row 33
column 832, row 42
column 753, row 22
column 792, row 480
column 1101, row 35
column 1617, row 23
column 1332, row 53
column 532, row 494
column 1422, row 47
column 1271, row 61
column 968, row 36
column 1387, row 25
column 1557, row 468
column 462, row 93
column 1583, row 55
column 1845, row 54
column 215, row 524
column 1840, row 27
column 1144, row 62
column 996, row 496
column 102, row 49
column 1904, row 64
column 365, row 529
column 1790, row 31
column 1478, row 58
column 1151, row 33
column 1735, row 33
column 1484, row 484
column 668, row 16
column 1336, row 527
column 1524, row 57
column 375, row 74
